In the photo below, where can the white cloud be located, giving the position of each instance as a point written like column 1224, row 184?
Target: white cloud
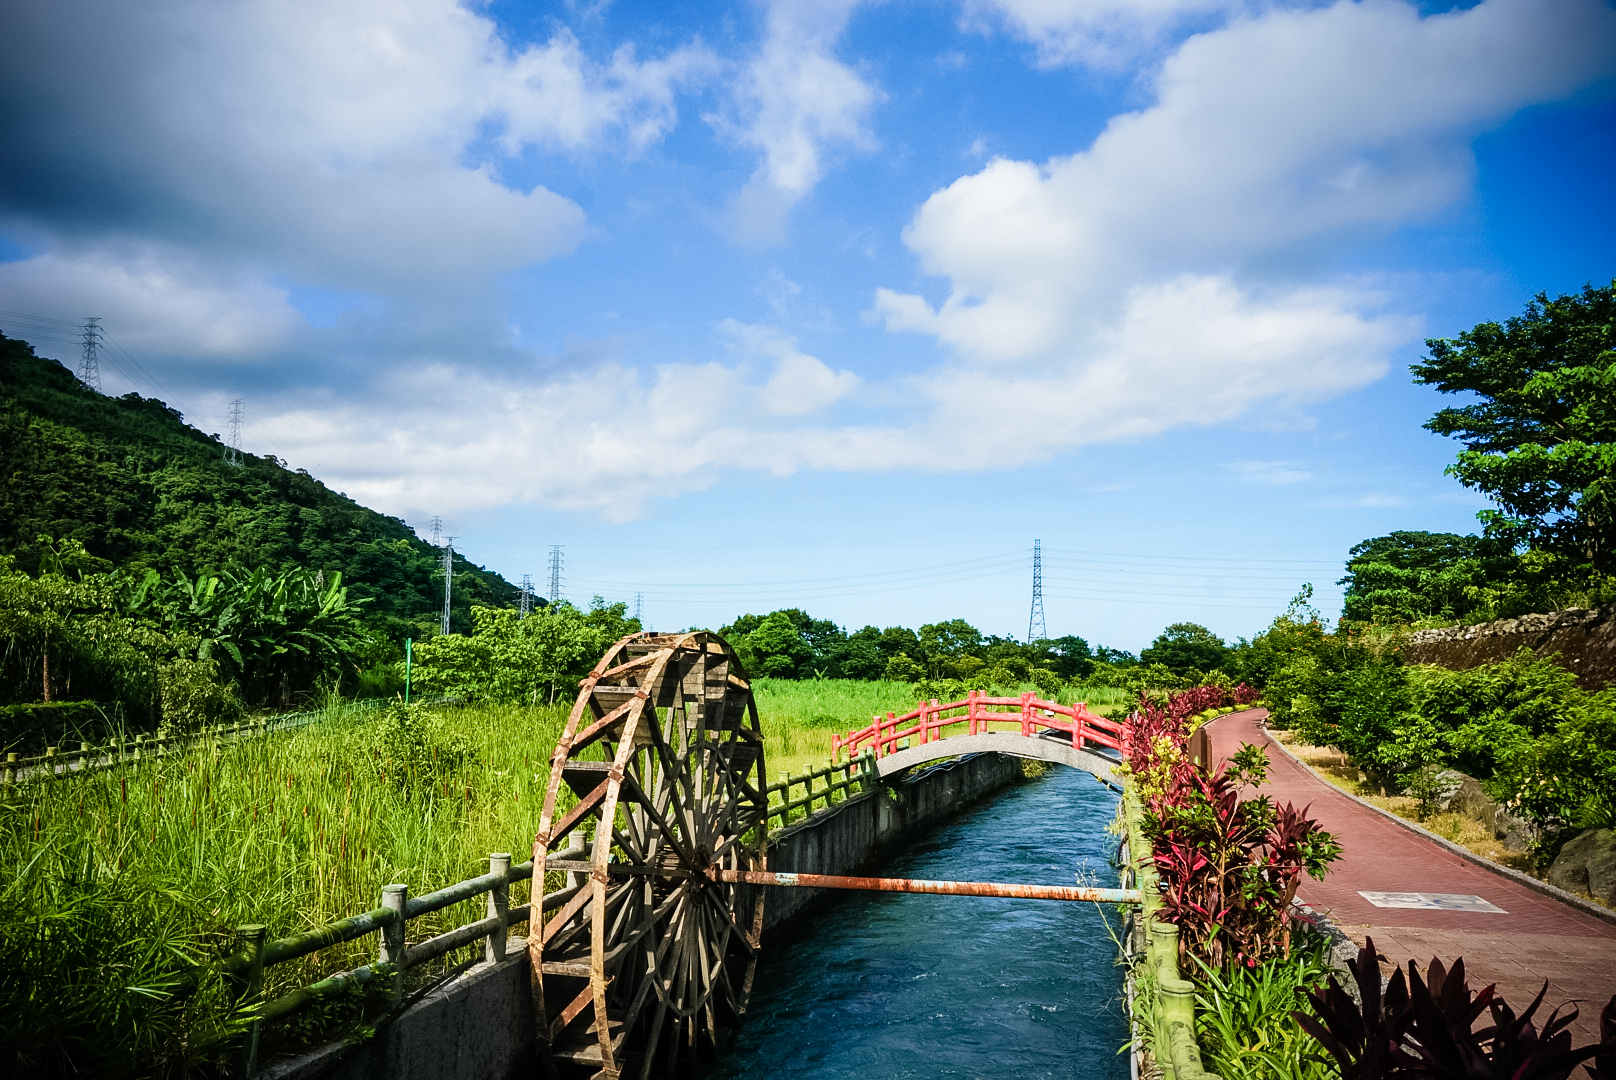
column 1270, row 473
column 345, row 143
column 1124, row 283
column 1190, row 351
column 1103, row 33
column 159, row 301
column 794, row 100
column 801, row 384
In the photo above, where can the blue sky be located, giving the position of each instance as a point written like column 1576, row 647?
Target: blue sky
column 834, row 305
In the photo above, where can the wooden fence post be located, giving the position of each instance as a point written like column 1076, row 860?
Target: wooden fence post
column 250, row 985
column 499, row 905
column 390, row 950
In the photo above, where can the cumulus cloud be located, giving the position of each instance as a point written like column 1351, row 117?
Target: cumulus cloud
column 1103, row 33
column 801, row 384
column 1126, row 282
column 161, row 301
column 794, row 101
column 429, row 436
column 344, row 143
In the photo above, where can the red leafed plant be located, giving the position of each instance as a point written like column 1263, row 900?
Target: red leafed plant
column 1229, row 867
column 1426, row 1028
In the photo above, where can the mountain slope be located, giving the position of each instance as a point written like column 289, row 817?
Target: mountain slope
column 141, row 488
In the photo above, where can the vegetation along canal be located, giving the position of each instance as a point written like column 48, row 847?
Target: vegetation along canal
column 887, row 985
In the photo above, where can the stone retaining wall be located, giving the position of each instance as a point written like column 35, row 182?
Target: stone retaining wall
column 1584, row 638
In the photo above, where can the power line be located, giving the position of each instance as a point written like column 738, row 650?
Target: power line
column 1036, row 630
column 89, row 363
column 70, row 332
column 555, row 573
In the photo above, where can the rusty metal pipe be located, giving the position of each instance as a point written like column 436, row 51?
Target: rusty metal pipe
column 945, row 888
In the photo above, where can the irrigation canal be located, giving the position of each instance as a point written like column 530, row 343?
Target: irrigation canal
column 879, row 986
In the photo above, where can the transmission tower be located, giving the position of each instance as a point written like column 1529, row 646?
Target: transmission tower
column 527, row 596
column 1036, row 630
column 555, row 573
column 448, row 577
column 638, row 606
column 437, row 532
column 232, row 450
column 90, row 362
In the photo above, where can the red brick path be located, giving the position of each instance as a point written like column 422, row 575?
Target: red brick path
column 1539, row 937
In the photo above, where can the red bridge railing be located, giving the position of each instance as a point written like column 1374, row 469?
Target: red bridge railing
column 978, row 713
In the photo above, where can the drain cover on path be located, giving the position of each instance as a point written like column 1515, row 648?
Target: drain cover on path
column 1430, row 901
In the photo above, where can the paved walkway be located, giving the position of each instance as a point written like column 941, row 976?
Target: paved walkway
column 1536, row 938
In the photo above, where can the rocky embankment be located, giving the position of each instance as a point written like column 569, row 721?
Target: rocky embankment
column 1584, row 638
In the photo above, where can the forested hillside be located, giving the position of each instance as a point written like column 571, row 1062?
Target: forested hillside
column 141, row 489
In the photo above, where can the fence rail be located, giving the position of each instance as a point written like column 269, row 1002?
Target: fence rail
column 859, row 772
column 394, row 954
column 60, row 761
column 1032, row 717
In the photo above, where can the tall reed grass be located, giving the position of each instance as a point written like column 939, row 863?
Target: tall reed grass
column 118, row 888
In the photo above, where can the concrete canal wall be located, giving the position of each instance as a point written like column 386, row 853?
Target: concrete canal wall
column 479, row 1025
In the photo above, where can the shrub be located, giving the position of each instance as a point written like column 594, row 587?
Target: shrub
column 193, row 697
column 29, row 729
column 1426, row 1028
column 1243, row 1015
column 1229, row 867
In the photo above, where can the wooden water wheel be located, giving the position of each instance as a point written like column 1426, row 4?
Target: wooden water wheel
column 650, row 958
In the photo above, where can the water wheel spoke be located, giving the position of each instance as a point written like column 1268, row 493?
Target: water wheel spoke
column 675, row 715
column 729, row 926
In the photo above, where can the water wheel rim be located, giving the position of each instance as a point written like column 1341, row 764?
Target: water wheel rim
column 684, row 790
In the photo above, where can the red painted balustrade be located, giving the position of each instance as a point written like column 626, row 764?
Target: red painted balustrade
column 976, row 714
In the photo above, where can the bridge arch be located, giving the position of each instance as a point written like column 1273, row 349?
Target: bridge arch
column 1055, row 751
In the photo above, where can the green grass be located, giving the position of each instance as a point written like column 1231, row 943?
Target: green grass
column 117, row 885
column 120, row 889
column 799, row 717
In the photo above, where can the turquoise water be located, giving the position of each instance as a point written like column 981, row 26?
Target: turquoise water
column 879, row 986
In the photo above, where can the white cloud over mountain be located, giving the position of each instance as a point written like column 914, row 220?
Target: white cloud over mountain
column 1175, row 272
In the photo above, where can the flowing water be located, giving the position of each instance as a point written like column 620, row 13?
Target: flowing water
column 878, row 986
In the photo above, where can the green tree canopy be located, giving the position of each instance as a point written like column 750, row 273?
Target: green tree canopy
column 137, row 486
column 509, row 658
column 1405, row 576
column 1184, row 647
column 1540, row 441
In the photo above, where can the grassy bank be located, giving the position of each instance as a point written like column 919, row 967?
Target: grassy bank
column 118, row 884
column 1339, row 770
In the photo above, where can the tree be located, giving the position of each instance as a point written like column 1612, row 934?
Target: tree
column 1186, row 646
column 1405, row 576
column 1541, row 441
column 509, row 658
column 945, row 644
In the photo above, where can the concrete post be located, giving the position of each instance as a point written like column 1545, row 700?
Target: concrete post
column 499, row 906
column 390, row 950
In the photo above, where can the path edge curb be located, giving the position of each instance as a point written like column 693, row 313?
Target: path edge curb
column 1588, row 907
